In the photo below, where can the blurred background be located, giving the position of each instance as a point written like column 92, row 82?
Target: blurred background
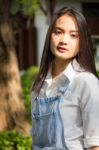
column 23, row 28
column 34, row 21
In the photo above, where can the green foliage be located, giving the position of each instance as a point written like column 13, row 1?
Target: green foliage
column 27, row 7
column 98, row 73
column 27, row 80
column 15, row 7
column 11, row 140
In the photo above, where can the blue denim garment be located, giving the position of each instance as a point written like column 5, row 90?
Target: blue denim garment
column 48, row 130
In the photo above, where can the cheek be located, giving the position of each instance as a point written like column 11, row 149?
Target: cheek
column 76, row 51
column 54, row 40
column 77, row 45
column 77, row 48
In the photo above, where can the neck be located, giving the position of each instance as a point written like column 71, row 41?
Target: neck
column 58, row 67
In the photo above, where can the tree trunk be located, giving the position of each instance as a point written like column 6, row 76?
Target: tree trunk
column 12, row 110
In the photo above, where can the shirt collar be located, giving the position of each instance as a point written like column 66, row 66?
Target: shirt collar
column 71, row 70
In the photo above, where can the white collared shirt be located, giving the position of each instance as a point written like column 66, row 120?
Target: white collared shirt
column 79, row 107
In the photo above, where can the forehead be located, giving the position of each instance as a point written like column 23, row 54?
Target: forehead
column 66, row 21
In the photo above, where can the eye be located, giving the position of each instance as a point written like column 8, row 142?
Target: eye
column 57, row 32
column 74, row 35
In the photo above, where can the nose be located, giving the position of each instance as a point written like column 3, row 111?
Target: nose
column 64, row 39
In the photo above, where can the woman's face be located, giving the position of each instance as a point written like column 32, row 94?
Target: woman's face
column 64, row 38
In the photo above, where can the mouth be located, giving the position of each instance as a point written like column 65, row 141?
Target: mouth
column 62, row 49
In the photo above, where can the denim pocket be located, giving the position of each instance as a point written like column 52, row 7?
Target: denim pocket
column 44, row 129
column 44, row 121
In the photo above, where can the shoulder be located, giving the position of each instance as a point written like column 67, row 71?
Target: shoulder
column 87, row 78
column 86, row 83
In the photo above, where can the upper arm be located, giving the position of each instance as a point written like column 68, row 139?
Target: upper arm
column 90, row 111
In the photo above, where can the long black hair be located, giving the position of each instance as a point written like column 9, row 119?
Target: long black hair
column 85, row 56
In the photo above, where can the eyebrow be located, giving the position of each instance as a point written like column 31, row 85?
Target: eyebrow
column 76, row 31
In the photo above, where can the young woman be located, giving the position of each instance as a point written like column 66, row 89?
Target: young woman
column 65, row 94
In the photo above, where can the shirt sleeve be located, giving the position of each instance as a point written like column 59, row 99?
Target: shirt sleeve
column 89, row 103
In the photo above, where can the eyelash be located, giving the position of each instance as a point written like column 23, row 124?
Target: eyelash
column 57, row 32
column 74, row 35
column 60, row 32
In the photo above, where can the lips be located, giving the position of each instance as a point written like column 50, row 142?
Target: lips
column 62, row 49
